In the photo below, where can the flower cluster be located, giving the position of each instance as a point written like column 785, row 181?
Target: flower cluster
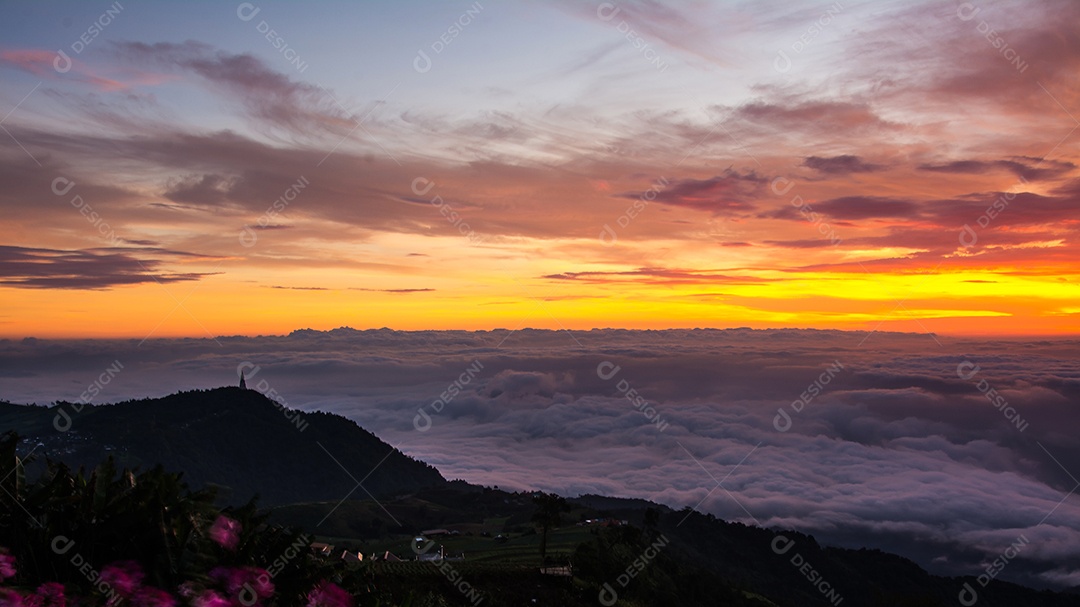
column 126, row 579
column 227, row 586
column 7, row 565
column 329, row 595
column 226, row 532
column 49, row 594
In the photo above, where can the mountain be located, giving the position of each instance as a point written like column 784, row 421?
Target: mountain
column 791, row 568
column 247, row 444
column 237, row 439
column 779, row 567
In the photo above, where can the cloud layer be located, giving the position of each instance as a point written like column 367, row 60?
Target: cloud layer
column 886, row 439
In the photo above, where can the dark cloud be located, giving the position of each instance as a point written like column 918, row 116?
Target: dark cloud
column 205, row 190
column 267, row 95
column 1045, row 49
column 813, row 243
column 867, row 207
column 423, row 290
column 299, row 288
column 245, row 177
column 819, row 116
column 852, row 208
column 656, row 276
column 1007, row 208
column 86, row 269
column 730, row 192
column 1025, row 167
column 840, row 165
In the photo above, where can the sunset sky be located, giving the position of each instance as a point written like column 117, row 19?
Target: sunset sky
column 252, row 168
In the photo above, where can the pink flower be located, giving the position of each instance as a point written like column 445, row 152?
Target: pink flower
column 11, row 598
column 148, row 596
column 211, row 599
column 230, row 579
column 249, row 585
column 259, row 582
column 226, row 532
column 51, row 594
column 7, row 566
column 188, row 590
column 124, row 577
column 327, row 594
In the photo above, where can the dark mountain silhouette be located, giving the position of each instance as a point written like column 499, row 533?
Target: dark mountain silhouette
column 747, row 557
column 242, row 441
column 729, row 555
column 237, row 439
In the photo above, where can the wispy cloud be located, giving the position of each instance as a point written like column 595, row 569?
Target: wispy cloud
column 88, row 269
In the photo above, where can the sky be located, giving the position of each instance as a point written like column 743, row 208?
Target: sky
column 512, row 187
column 207, row 169
column 945, row 450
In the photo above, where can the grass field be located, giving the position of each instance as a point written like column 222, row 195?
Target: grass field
column 522, row 549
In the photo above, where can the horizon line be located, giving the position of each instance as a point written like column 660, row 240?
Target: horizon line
column 987, row 335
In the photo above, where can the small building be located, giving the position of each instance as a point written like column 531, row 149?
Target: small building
column 322, row 549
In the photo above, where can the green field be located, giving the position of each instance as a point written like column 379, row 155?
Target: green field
column 523, row 549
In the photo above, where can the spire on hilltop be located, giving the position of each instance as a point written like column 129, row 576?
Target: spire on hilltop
column 243, row 382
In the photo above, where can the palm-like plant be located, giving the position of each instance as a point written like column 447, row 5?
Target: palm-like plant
column 549, row 509
column 59, row 520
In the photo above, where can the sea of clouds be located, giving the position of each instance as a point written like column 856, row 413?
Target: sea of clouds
column 944, row 450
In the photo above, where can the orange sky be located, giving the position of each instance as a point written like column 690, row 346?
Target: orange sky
column 162, row 189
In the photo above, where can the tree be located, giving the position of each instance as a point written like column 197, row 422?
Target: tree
column 55, row 521
column 652, row 522
column 549, row 509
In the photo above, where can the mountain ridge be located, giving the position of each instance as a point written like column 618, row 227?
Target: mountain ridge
column 237, row 439
column 248, row 444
